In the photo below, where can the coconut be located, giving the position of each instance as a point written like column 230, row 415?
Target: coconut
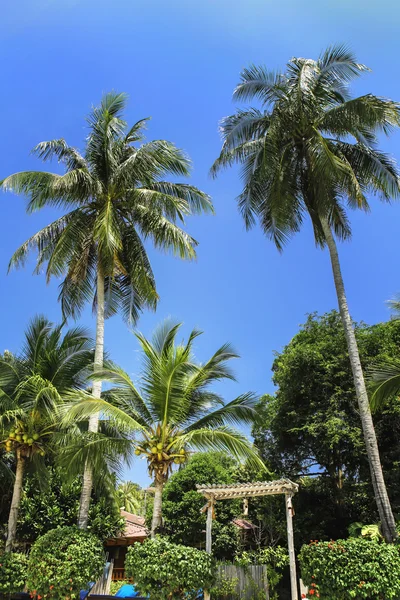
column 159, row 446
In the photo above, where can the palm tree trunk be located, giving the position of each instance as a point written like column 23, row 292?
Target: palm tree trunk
column 157, row 507
column 87, row 482
column 15, row 502
column 378, row 482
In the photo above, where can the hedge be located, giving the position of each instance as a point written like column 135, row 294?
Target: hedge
column 351, row 569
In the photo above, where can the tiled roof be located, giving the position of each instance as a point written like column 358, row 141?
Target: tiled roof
column 243, row 524
column 135, row 526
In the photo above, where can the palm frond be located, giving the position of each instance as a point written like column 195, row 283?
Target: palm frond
column 384, row 380
column 223, row 439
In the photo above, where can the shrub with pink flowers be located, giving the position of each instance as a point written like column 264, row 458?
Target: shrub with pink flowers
column 351, row 569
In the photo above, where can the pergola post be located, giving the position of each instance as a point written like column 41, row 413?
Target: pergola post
column 292, row 558
column 210, row 510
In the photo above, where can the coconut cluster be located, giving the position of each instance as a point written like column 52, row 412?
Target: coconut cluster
column 28, row 441
column 161, row 451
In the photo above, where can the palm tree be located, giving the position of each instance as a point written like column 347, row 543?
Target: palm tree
column 174, row 412
column 32, row 384
column 116, row 196
column 131, row 497
column 312, row 150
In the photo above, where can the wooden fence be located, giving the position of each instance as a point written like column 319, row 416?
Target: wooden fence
column 250, row 581
column 102, row 585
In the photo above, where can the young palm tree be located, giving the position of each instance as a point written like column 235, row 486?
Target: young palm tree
column 131, row 497
column 311, row 149
column 116, row 196
column 174, row 412
column 31, row 388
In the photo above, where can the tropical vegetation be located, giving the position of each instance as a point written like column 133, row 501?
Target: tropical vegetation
column 72, row 420
column 169, row 571
column 117, row 194
column 13, row 572
column 63, row 562
column 352, row 568
column 173, row 412
column 311, row 150
column 32, row 386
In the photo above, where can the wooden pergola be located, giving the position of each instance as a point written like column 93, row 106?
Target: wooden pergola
column 213, row 493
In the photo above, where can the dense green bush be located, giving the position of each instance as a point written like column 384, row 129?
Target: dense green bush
column 351, row 569
column 276, row 559
column 168, row 571
column 13, row 570
column 63, row 561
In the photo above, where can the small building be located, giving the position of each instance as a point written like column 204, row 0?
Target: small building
column 135, row 531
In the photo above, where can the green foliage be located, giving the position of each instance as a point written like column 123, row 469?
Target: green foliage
column 115, row 195
column 351, row 569
column 63, row 561
column 276, row 559
column 369, row 532
column 311, row 148
column 131, row 497
column 168, row 571
column 181, row 498
column 312, row 425
column 13, row 572
column 224, row 588
column 174, row 411
column 57, row 504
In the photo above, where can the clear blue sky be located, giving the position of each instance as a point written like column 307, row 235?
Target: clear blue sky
column 179, row 61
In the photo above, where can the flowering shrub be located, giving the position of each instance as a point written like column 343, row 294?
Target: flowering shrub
column 13, row 568
column 351, row 570
column 168, row 571
column 62, row 562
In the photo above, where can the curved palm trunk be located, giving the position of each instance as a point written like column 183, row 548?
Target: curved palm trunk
column 87, row 482
column 157, row 507
column 381, row 495
column 15, row 502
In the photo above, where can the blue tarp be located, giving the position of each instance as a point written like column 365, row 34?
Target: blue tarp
column 127, row 591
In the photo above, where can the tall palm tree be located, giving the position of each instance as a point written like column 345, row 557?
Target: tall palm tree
column 32, row 385
column 174, row 412
column 116, row 196
column 311, row 150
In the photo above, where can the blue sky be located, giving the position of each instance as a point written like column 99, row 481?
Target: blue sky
column 179, row 61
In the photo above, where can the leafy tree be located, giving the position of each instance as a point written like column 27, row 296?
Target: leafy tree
column 117, row 195
column 311, row 425
column 57, row 503
column 174, row 412
column 32, row 385
column 312, row 151
column 180, row 497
